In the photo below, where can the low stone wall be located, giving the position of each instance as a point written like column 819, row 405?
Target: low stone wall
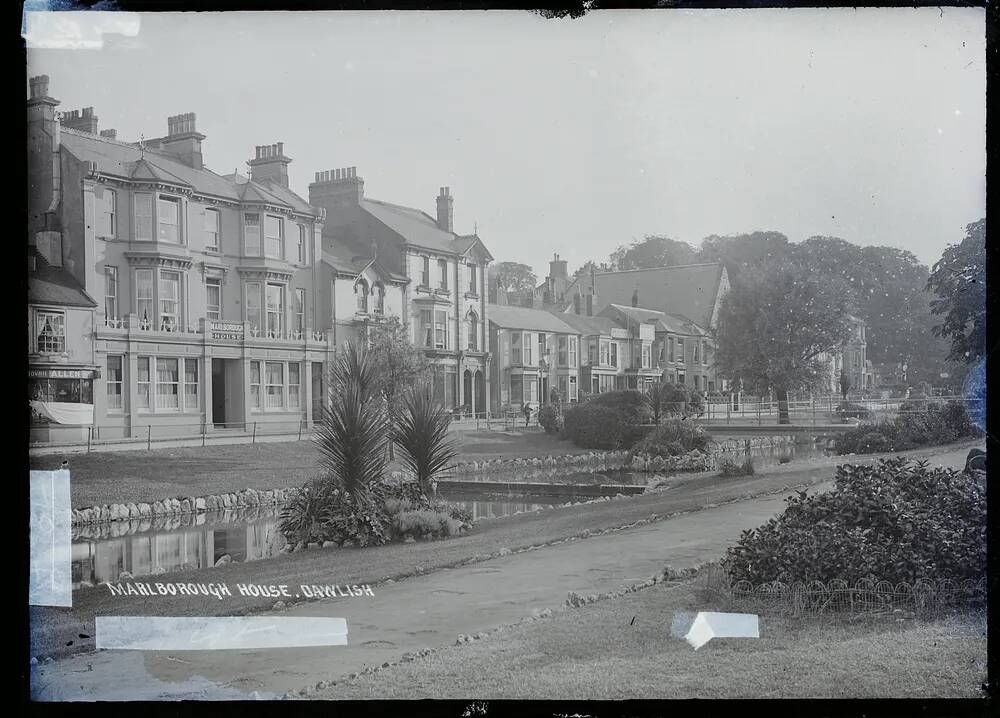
column 691, row 461
column 181, row 506
column 590, row 461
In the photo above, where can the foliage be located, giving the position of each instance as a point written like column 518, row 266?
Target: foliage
column 352, row 437
column 673, row 438
column 592, row 426
column 551, row 419
column 959, row 282
column 424, row 524
column 513, row 277
column 728, row 467
column 422, row 431
column 740, row 251
column 665, row 399
column 847, row 410
column 775, row 323
column 896, row 520
column 653, row 251
column 323, row 512
column 845, row 384
column 632, row 412
column 936, row 423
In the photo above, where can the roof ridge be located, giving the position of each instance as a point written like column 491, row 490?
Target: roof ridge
column 655, row 269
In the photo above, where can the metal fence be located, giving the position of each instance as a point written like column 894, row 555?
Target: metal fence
column 99, row 436
column 836, row 596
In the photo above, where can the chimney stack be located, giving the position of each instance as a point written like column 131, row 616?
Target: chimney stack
column 109, row 134
column 446, row 210
column 558, row 268
column 44, row 172
column 270, row 164
column 337, row 188
column 183, row 141
column 81, row 121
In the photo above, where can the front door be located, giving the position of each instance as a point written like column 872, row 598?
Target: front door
column 219, row 392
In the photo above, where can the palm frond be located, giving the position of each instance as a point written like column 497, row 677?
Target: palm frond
column 426, row 447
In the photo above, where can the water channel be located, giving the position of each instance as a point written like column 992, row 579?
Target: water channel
column 147, row 547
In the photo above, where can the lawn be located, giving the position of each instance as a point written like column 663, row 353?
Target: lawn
column 123, row 476
column 622, row 648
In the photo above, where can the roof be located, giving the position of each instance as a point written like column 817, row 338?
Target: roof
column 690, row 289
column 418, row 227
column 589, row 325
column 350, row 257
column 55, row 285
column 119, row 159
column 512, row 317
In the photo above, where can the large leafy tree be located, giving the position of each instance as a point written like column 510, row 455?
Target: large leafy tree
column 653, row 251
column 959, row 284
column 513, row 277
column 739, row 251
column 775, row 323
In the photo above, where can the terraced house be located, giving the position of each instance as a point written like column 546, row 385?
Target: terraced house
column 203, row 286
column 437, row 279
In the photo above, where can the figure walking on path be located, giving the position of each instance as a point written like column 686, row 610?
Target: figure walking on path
column 527, row 414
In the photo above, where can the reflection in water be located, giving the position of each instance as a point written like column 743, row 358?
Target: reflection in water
column 149, row 547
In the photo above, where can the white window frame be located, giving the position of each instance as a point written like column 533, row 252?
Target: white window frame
column 294, row 388
column 300, row 309
column 516, row 354
column 213, row 310
column 161, row 201
column 473, row 340
column 191, row 388
column 253, row 292
column 268, row 385
column 162, row 281
column 562, row 350
column 144, row 389
column 526, row 349
column 57, row 343
column 443, row 271
column 425, row 272
column 301, row 252
column 573, row 352
column 159, row 385
column 149, row 301
column 110, row 291
column 108, row 227
column 247, row 234
column 473, row 279
column 143, row 219
column 440, row 329
column 255, row 386
column 115, row 387
column 279, row 238
column 213, row 235
column 279, row 314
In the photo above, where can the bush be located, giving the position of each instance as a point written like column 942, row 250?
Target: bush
column 632, row 412
column 592, row 426
column 896, row 520
column 728, row 467
column 321, row 513
column 672, row 438
column 935, row 424
column 550, row 418
column 846, row 410
column 424, row 524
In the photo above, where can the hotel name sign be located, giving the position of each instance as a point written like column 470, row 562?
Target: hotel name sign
column 228, row 330
column 61, row 373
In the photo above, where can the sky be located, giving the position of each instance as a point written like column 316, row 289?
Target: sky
column 578, row 135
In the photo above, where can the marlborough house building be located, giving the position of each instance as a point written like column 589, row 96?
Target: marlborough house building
column 164, row 297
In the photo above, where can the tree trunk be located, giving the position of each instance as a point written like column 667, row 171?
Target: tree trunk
column 782, row 397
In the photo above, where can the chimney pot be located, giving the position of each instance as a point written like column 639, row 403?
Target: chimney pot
column 281, row 148
column 39, row 85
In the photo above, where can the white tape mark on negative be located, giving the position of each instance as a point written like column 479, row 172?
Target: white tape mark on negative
column 184, row 633
column 75, row 30
column 709, row 624
column 50, row 578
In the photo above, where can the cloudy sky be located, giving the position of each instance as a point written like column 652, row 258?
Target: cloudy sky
column 576, row 136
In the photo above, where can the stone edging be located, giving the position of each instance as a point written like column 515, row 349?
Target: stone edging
column 180, row 506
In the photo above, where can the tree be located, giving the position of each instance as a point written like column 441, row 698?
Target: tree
column 654, row 251
column 513, row 277
column 585, row 268
column 775, row 323
column 959, row 283
column 739, row 251
column 398, row 365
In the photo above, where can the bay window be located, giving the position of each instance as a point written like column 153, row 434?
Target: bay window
column 427, row 321
column 168, row 220
column 294, row 382
column 443, row 273
column 255, row 385
column 107, row 222
column 572, row 352
column 300, row 310
column 169, row 295
column 253, row 305
column 440, row 330
column 143, row 382
column 274, row 241
column 301, row 246
column 379, row 292
column 251, row 234
column 110, row 292
column 561, row 343
column 275, row 383
column 361, row 296
column 614, row 354
column 190, row 384
column 605, row 352
column 425, row 272
column 645, row 356
column 167, row 384
column 573, row 391
column 143, row 217
column 515, row 349
column 144, row 296
column 526, row 348
column 680, row 350
column 275, row 309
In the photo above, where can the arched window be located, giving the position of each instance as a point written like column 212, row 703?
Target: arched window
column 379, row 291
column 473, row 331
column 361, row 290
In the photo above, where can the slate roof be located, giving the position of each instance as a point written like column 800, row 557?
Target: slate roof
column 55, row 285
column 589, row 325
column 119, row 159
column 690, row 290
column 511, row 317
column 417, row 227
column 350, row 257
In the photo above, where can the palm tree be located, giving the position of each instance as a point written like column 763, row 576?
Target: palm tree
column 426, row 447
column 352, row 436
column 657, row 397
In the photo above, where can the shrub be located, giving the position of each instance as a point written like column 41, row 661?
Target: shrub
column 728, row 467
column 456, row 511
column 424, row 524
column 847, row 410
column 550, row 418
column 935, row 424
column 896, row 520
column 422, row 432
column 672, row 438
column 592, row 426
column 632, row 411
column 321, row 513
column 674, row 400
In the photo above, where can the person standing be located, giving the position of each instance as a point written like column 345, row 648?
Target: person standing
column 526, row 410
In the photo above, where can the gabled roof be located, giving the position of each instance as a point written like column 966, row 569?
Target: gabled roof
column 589, row 325
column 126, row 161
column 417, row 227
column 55, row 285
column 512, row 317
column 351, row 258
column 691, row 289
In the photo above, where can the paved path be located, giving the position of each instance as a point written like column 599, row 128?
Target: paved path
column 424, row 611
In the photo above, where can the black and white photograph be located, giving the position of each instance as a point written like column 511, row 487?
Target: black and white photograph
column 506, row 355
